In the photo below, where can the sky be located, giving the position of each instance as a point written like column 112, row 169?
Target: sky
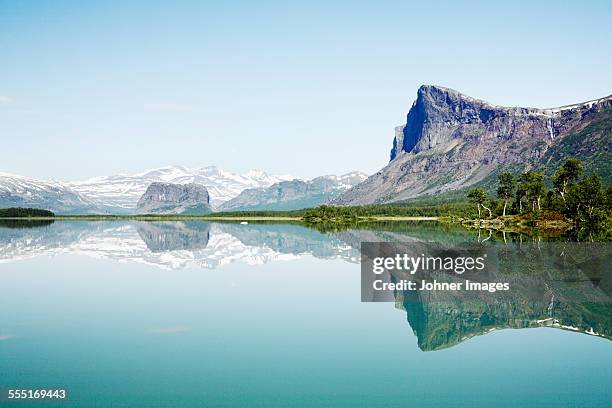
column 93, row 88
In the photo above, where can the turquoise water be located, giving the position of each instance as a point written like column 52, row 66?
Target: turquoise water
column 158, row 315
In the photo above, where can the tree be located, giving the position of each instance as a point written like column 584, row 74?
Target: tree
column 505, row 189
column 566, row 176
column 587, row 201
column 521, row 193
column 19, row 212
column 531, row 186
column 479, row 197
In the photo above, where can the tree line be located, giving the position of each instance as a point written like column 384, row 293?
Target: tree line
column 24, row 212
column 574, row 194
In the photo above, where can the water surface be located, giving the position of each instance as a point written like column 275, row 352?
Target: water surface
column 200, row 314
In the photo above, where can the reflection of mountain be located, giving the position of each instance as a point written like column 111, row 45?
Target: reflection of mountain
column 20, row 241
column 173, row 245
column 292, row 239
column 171, row 236
column 561, row 285
column 572, row 292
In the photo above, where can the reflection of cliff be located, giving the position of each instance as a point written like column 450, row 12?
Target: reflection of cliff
column 170, row 236
column 566, row 286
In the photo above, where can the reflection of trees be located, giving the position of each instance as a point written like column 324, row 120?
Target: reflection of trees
column 17, row 224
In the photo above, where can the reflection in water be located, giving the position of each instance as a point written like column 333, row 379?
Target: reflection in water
column 19, row 224
column 164, row 236
column 560, row 285
column 174, row 245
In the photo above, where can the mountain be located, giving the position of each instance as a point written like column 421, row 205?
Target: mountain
column 19, row 191
column 168, row 198
column 120, row 193
column 451, row 141
column 294, row 194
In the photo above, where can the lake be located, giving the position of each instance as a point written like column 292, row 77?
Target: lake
column 159, row 314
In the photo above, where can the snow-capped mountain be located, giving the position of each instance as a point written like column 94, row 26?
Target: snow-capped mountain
column 348, row 180
column 19, row 191
column 121, row 192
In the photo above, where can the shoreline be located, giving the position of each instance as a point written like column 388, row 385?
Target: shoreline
column 202, row 218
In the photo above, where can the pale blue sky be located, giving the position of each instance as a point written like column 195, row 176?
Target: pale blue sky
column 92, row 88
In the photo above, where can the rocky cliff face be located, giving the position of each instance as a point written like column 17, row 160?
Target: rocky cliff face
column 295, row 194
column 168, row 198
column 451, row 141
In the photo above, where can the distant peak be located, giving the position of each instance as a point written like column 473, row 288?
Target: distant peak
column 170, row 167
column 159, row 169
column 256, row 173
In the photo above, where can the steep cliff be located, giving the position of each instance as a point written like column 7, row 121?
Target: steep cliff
column 451, row 141
column 168, row 198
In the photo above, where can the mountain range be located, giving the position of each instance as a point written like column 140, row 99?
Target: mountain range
column 19, row 191
column 294, row 194
column 119, row 194
column 452, row 141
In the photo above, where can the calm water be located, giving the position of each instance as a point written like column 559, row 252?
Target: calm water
column 199, row 314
